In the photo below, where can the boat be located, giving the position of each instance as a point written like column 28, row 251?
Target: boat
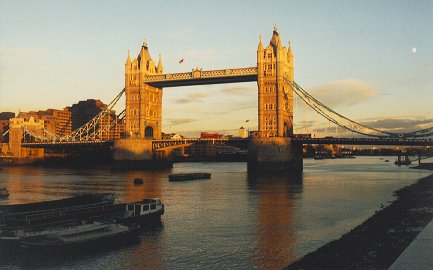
column 83, row 234
column 142, row 212
column 73, row 208
column 147, row 211
column 138, row 181
column 4, row 193
column 188, row 176
column 107, row 198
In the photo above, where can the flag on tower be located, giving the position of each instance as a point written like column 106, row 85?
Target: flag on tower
column 181, row 61
column 247, row 121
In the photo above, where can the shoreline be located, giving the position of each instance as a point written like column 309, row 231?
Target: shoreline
column 379, row 241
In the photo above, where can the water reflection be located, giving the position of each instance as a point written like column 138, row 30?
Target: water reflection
column 275, row 212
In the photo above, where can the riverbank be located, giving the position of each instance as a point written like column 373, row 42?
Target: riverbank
column 377, row 243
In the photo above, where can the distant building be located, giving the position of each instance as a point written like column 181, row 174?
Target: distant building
column 55, row 121
column 85, row 110
column 172, row 136
column 205, row 135
column 243, row 133
column 6, row 115
column 4, row 125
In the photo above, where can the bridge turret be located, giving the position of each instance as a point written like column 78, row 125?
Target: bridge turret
column 160, row 67
column 143, row 102
column 275, row 98
column 128, row 64
column 260, row 47
column 291, row 60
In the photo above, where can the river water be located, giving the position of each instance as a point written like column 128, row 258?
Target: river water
column 233, row 221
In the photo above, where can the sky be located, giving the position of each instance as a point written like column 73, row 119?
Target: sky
column 371, row 61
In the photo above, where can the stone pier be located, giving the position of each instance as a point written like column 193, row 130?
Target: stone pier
column 274, row 154
column 138, row 154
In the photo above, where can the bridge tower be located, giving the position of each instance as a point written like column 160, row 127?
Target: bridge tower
column 275, row 97
column 143, row 102
column 272, row 148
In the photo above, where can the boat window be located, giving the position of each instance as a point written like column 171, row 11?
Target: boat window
column 137, row 210
column 153, row 206
column 146, row 207
column 130, row 207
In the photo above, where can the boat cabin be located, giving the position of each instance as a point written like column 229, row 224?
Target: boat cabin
column 142, row 208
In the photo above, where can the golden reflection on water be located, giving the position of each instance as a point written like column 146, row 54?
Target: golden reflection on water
column 275, row 211
column 17, row 182
column 151, row 187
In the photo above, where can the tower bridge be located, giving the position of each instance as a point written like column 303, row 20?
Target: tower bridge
column 274, row 145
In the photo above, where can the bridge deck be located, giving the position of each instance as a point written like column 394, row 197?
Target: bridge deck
column 200, row 77
column 238, row 141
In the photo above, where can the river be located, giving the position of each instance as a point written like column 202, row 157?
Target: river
column 233, row 221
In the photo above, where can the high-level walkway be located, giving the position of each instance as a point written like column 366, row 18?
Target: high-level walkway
column 419, row 254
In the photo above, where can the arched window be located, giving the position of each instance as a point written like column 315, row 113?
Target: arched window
column 148, row 133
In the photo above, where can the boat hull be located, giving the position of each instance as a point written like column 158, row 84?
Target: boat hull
column 115, row 234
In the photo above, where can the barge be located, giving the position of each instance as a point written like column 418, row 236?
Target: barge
column 188, row 176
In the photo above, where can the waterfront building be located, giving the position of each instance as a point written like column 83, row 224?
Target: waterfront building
column 6, row 115
column 4, row 125
column 55, row 121
column 243, row 133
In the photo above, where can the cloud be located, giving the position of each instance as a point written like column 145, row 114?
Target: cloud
column 394, row 125
column 191, row 97
column 240, row 90
column 342, row 92
column 399, row 124
column 176, row 122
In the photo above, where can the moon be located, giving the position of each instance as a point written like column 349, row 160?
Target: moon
column 413, row 49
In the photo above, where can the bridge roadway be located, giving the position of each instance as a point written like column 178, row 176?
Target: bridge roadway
column 243, row 143
column 201, row 77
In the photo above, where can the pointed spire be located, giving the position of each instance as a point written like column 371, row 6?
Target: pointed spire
column 145, row 43
column 260, row 48
column 128, row 59
column 160, row 68
column 289, row 52
column 275, row 27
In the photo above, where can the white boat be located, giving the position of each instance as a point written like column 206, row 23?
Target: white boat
column 72, row 236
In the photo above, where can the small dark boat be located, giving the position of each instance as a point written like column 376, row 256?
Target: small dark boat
column 4, row 193
column 188, row 176
column 138, row 181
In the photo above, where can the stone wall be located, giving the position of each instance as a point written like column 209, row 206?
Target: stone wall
column 132, row 149
column 274, row 154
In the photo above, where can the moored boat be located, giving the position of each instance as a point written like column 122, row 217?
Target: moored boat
column 142, row 212
column 4, row 192
column 138, row 181
column 82, row 234
column 77, row 207
column 188, row 176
